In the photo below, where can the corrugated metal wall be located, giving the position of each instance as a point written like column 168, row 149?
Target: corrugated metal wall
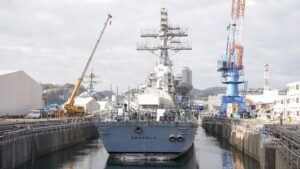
column 19, row 93
column 92, row 106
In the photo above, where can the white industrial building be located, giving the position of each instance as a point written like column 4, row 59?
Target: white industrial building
column 268, row 96
column 104, row 105
column 19, row 93
column 289, row 104
column 214, row 103
column 89, row 104
column 184, row 76
column 187, row 76
column 263, row 103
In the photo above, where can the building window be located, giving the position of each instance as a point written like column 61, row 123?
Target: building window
column 297, row 87
column 298, row 113
column 281, row 101
column 288, row 101
column 297, row 100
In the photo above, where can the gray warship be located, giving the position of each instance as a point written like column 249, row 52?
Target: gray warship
column 153, row 120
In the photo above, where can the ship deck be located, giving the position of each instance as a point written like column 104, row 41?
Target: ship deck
column 148, row 123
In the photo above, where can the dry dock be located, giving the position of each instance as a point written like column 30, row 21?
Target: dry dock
column 23, row 141
column 274, row 146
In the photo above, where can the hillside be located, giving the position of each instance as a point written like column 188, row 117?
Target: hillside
column 59, row 94
column 197, row 93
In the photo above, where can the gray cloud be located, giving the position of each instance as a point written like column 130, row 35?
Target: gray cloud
column 51, row 40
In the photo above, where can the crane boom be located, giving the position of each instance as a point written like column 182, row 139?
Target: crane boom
column 231, row 64
column 70, row 105
column 95, row 47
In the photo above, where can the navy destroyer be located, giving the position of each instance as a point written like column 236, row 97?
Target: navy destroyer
column 153, row 119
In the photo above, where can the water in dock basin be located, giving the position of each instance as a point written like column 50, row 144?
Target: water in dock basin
column 207, row 153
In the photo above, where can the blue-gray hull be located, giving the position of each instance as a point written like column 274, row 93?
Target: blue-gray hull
column 147, row 137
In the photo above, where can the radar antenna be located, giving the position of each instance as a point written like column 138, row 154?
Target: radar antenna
column 166, row 35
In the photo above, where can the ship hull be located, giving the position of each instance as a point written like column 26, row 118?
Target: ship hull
column 174, row 138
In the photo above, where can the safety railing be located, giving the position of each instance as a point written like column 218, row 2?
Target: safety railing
column 210, row 119
column 290, row 154
column 287, row 143
column 30, row 130
column 246, row 125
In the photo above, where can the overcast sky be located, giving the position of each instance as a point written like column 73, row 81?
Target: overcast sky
column 51, row 40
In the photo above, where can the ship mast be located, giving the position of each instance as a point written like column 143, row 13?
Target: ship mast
column 166, row 35
column 91, row 80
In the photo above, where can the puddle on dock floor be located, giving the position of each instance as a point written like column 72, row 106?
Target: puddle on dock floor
column 207, row 153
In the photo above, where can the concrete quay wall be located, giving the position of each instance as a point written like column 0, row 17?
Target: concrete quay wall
column 258, row 147
column 16, row 151
column 245, row 142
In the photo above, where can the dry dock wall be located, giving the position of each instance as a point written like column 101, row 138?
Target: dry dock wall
column 281, row 163
column 19, row 150
column 258, row 147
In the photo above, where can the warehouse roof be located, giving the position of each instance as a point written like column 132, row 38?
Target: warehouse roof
column 82, row 101
column 4, row 72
